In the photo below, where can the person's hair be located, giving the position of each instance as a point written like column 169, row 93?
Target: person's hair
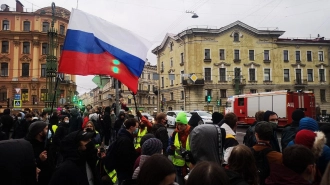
column 19, row 114
column 43, row 113
column 28, row 115
column 242, row 161
column 86, row 114
column 297, row 158
column 264, row 130
column 259, row 116
column 231, row 119
column 131, row 122
column 90, row 122
column 160, row 116
column 155, row 169
column 207, row 173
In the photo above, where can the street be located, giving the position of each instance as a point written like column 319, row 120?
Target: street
column 240, row 133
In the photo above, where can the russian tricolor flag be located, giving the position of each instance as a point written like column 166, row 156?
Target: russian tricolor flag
column 94, row 46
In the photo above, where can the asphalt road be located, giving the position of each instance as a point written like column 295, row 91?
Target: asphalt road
column 240, row 133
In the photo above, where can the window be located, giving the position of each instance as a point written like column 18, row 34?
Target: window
column 43, row 70
column 44, row 48
column 297, row 55
column 142, row 75
column 310, row 75
column 321, row 75
column 43, row 96
column 181, row 58
column 207, row 54
column 236, row 37
column 285, row 55
column 223, row 93
column 149, row 98
column 222, row 74
column 309, row 56
column 208, row 92
column 148, row 76
column 182, row 95
column 222, row 54
column 129, row 101
column 251, row 55
column 25, row 69
column 266, row 54
column 162, row 66
column 267, row 75
column 207, row 74
column 240, row 101
column 286, row 75
column 5, row 47
column 26, row 26
column 298, row 76
column 171, row 81
column 153, row 100
column 61, row 30
column 268, row 90
column 5, row 25
column 26, row 47
column 322, row 95
column 321, row 56
column 4, row 69
column 252, row 74
column 171, row 96
column 182, row 76
column 171, row 63
column 236, row 54
column 45, row 26
column 3, row 95
column 171, row 46
column 25, row 95
column 162, row 82
column 253, row 90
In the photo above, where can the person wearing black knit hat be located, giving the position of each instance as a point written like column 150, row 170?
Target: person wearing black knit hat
column 36, row 136
column 194, row 121
column 217, row 117
column 289, row 132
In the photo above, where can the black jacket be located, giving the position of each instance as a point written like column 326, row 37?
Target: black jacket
column 160, row 132
column 119, row 122
column 73, row 169
column 235, row 178
column 106, row 121
column 125, row 152
column 21, row 129
column 75, row 123
column 62, row 131
column 7, row 121
column 289, row 133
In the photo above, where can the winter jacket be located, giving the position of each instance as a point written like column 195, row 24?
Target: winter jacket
column 7, row 121
column 230, row 141
column 143, row 158
column 273, row 156
column 235, row 178
column 288, row 134
column 106, row 121
column 75, row 121
column 183, row 139
column 21, row 128
column 281, row 175
column 160, row 132
column 17, row 161
column 125, row 153
column 119, row 122
column 73, row 170
column 62, row 131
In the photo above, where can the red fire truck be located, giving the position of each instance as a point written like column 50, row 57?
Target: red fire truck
column 283, row 103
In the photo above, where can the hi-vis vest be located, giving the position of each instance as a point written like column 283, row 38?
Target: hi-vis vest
column 97, row 145
column 112, row 174
column 177, row 158
column 139, row 136
column 54, row 128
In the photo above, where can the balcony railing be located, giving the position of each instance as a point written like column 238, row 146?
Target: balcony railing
column 300, row 81
column 190, row 82
column 142, row 91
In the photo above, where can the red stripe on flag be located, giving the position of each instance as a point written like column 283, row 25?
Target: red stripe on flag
column 97, row 64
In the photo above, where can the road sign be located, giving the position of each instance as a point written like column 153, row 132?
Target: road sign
column 193, row 77
column 17, row 90
column 17, row 96
column 62, row 101
column 17, row 103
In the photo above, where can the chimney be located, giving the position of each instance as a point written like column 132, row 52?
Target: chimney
column 19, row 6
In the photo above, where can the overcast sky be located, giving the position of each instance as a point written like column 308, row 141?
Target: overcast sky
column 152, row 19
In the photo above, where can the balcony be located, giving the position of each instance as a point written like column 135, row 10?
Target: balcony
column 300, row 82
column 207, row 60
column 242, row 82
column 142, row 92
column 191, row 83
column 237, row 61
column 267, row 61
column 268, row 82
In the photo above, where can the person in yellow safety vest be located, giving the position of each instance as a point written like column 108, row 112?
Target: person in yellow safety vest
column 106, row 176
column 179, row 143
column 91, row 128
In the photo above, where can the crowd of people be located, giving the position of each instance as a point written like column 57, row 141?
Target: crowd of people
column 98, row 147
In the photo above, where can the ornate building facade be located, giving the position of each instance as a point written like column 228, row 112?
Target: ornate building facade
column 238, row 59
column 24, row 48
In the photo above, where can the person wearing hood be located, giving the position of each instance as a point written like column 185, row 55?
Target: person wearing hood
column 194, row 121
column 37, row 135
column 7, row 122
column 179, row 144
column 62, row 131
column 289, row 132
column 107, row 125
column 90, row 127
column 119, row 122
column 230, row 125
column 75, row 121
column 79, row 160
column 22, row 126
column 125, row 152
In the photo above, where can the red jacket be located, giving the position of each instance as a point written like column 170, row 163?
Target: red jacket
column 86, row 119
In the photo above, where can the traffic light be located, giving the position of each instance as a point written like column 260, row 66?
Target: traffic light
column 80, row 103
column 74, row 98
column 218, row 103
column 208, row 98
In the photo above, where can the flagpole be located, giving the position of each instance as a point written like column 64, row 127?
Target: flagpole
column 136, row 108
column 117, row 97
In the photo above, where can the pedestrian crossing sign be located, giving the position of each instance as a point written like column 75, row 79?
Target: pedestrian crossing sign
column 17, row 103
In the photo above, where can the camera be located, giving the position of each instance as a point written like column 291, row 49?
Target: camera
column 188, row 157
column 102, row 150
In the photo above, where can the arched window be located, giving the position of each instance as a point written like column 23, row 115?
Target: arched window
column 236, row 37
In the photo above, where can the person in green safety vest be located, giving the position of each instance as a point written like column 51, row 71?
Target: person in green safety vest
column 91, row 128
column 179, row 144
column 107, row 178
column 144, row 127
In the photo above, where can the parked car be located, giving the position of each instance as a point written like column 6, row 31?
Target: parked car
column 206, row 117
column 171, row 115
column 150, row 118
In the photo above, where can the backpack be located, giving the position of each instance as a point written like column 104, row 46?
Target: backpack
column 110, row 159
column 249, row 138
column 262, row 163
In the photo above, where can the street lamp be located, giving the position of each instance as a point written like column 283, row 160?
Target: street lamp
column 194, row 14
